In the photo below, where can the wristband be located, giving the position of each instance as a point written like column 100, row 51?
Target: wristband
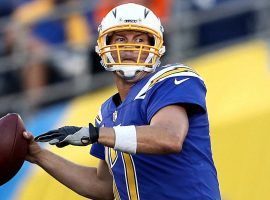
column 93, row 133
column 125, row 139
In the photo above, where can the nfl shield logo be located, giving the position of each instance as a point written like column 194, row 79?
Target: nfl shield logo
column 114, row 116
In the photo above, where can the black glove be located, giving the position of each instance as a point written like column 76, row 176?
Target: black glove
column 78, row 136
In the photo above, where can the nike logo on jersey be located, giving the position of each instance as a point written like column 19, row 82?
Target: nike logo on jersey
column 167, row 72
column 176, row 82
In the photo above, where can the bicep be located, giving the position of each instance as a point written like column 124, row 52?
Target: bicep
column 173, row 117
column 105, row 177
column 103, row 172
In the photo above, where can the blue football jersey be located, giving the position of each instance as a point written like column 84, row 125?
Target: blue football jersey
column 190, row 174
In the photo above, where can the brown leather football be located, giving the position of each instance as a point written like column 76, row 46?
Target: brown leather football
column 13, row 147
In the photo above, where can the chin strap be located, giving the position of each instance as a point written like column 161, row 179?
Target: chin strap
column 128, row 71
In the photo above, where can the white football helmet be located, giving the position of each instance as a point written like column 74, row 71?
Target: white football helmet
column 132, row 17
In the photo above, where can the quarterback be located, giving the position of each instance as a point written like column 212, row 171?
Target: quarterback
column 152, row 137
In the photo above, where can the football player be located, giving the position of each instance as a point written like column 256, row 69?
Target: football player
column 152, row 137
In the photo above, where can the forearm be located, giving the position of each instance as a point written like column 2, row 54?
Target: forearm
column 150, row 139
column 165, row 134
column 82, row 180
column 159, row 140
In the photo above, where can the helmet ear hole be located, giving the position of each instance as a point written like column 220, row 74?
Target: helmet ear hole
column 108, row 39
column 152, row 40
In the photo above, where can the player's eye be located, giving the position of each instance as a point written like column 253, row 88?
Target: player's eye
column 119, row 40
column 139, row 40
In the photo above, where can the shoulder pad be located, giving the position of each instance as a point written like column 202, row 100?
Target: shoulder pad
column 167, row 71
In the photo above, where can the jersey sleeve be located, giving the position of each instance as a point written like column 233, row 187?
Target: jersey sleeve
column 183, row 90
column 98, row 150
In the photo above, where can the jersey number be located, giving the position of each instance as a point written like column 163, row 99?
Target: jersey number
column 130, row 174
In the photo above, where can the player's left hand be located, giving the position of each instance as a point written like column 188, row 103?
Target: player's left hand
column 78, row 136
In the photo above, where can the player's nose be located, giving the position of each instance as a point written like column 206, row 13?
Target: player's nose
column 129, row 55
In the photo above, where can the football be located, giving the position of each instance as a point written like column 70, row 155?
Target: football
column 13, row 147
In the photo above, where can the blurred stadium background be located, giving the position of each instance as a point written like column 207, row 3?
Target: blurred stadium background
column 51, row 76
